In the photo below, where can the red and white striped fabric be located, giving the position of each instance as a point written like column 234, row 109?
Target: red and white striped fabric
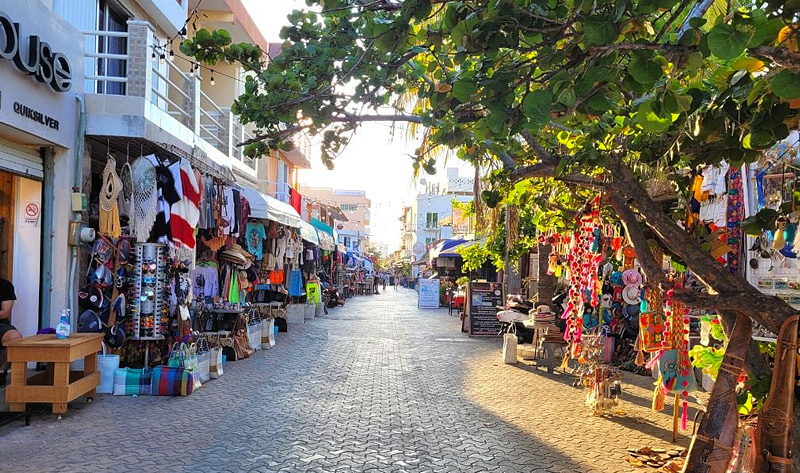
column 186, row 212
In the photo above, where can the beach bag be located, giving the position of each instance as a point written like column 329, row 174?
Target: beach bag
column 107, row 365
column 168, row 381
column 267, row 333
column 203, row 360
column 130, row 381
column 295, row 313
column 215, row 360
column 185, row 356
column 309, row 310
column 510, row 348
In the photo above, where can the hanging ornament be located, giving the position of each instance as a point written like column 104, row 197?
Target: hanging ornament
column 109, row 208
column 144, row 199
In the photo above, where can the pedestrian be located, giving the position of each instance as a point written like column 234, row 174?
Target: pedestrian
column 7, row 331
column 383, row 281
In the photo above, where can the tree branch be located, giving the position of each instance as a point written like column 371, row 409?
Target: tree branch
column 347, row 118
column 537, row 148
column 652, row 268
column 541, row 169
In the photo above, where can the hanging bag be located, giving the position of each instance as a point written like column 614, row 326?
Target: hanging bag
column 107, row 365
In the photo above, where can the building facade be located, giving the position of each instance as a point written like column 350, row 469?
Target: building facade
column 106, row 79
column 432, row 216
column 354, row 204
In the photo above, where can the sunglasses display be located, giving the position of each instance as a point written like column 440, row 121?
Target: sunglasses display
column 148, row 306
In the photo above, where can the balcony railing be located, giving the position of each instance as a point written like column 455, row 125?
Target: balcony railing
column 129, row 69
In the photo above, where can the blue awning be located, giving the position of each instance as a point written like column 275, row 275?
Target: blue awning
column 308, row 233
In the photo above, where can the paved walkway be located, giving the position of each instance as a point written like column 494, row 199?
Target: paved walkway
column 375, row 386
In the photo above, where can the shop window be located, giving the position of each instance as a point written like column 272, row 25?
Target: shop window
column 109, row 19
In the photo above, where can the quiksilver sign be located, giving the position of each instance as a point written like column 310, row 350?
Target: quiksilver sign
column 41, row 62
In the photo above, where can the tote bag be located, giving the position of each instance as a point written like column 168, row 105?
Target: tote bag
column 106, row 364
column 509, row 348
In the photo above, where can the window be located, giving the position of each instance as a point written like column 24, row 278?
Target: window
column 349, row 207
column 431, row 220
column 283, row 182
column 112, row 21
column 429, row 241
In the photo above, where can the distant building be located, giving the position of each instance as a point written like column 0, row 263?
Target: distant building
column 432, row 217
column 355, row 206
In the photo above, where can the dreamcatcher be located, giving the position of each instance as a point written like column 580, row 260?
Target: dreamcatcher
column 125, row 200
column 109, row 209
column 144, row 199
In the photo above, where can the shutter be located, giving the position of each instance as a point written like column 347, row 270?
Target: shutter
column 82, row 14
column 22, row 161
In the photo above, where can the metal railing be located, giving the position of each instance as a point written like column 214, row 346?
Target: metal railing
column 104, row 64
column 165, row 89
column 214, row 123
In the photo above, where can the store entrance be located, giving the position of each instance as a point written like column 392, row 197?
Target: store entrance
column 6, row 225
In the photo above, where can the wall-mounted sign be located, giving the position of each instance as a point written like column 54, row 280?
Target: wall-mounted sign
column 38, row 59
column 32, row 211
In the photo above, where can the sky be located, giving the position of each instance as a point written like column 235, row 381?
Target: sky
column 377, row 160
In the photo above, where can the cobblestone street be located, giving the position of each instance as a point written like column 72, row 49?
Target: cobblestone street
column 375, row 386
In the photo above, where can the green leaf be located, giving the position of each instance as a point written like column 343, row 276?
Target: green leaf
column 647, row 119
column 599, row 30
column 726, row 42
column 537, row 107
column 463, row 89
column 697, row 22
column 786, row 85
column 645, row 71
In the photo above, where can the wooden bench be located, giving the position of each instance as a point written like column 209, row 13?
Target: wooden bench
column 57, row 385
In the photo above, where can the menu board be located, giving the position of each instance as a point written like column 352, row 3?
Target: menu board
column 428, row 294
column 484, row 300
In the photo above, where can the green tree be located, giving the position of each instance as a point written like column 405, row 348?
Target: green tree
column 584, row 94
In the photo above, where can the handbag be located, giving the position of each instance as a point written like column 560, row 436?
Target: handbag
column 215, row 360
column 130, row 381
column 168, row 381
column 107, row 365
column 203, row 360
column 509, row 348
column 185, row 356
column 267, row 333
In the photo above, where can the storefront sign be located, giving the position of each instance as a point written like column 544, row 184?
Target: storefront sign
column 428, row 294
column 484, row 300
column 30, row 217
column 41, row 62
column 35, row 115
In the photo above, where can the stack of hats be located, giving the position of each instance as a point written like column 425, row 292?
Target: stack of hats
column 238, row 256
column 544, row 321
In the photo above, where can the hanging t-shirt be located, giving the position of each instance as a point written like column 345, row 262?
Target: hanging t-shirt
column 255, row 235
column 295, row 285
column 167, row 195
column 312, row 292
column 205, row 281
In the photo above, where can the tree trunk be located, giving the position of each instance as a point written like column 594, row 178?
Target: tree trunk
column 546, row 285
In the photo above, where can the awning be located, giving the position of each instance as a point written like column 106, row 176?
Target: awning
column 308, row 233
column 325, row 240
column 443, row 246
column 455, row 251
column 269, row 208
column 325, row 234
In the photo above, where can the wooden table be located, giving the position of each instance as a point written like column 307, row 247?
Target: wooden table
column 57, row 385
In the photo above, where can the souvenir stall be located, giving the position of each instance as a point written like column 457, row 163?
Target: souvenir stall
column 142, row 250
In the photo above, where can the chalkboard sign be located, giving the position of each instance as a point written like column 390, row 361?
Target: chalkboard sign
column 484, row 299
column 428, row 294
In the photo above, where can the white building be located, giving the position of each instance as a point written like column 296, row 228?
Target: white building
column 432, row 217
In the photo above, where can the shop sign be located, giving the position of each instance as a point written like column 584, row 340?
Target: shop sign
column 41, row 62
column 428, row 294
column 35, row 115
column 484, row 300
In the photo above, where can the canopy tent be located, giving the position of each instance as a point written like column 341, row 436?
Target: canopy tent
column 325, row 234
column 269, row 208
column 309, row 233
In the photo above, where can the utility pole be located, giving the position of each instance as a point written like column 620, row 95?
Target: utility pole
column 505, row 258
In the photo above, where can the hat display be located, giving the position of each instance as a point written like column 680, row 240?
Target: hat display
column 115, row 336
column 91, row 297
column 89, row 321
column 631, row 277
column 631, row 295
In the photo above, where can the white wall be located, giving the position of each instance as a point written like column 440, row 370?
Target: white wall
column 27, row 257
